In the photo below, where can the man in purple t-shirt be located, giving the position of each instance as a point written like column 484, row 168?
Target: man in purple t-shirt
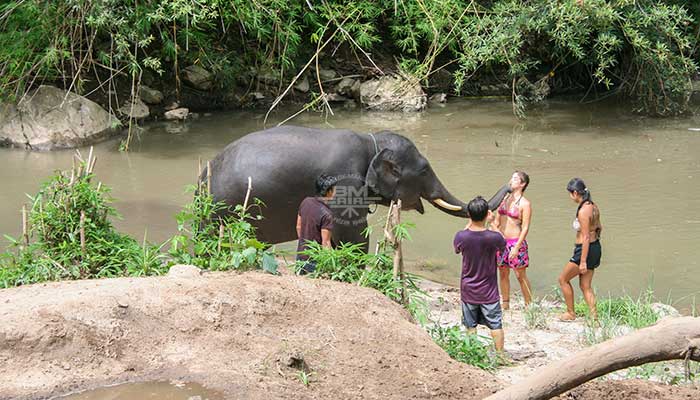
column 479, row 282
column 315, row 221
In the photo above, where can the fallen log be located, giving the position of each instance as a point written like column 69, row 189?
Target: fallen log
column 670, row 339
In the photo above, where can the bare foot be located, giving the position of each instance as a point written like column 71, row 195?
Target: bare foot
column 567, row 317
column 505, row 305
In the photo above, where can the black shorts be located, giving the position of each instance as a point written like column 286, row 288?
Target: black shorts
column 595, row 252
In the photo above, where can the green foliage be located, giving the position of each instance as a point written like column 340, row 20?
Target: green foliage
column 464, row 347
column 349, row 263
column 536, row 315
column 644, row 49
column 218, row 243
column 56, row 251
column 615, row 314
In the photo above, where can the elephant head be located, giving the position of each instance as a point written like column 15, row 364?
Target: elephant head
column 399, row 171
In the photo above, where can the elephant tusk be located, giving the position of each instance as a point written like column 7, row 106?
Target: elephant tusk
column 447, row 206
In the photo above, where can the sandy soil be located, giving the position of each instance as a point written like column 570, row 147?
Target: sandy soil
column 530, row 349
column 248, row 335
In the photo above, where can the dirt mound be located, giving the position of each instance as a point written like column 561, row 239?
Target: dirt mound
column 631, row 389
column 248, row 335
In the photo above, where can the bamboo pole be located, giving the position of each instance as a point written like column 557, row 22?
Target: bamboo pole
column 247, row 195
column 88, row 162
column 208, row 177
column 199, row 173
column 82, row 233
column 398, row 251
column 221, row 236
column 25, row 231
column 92, row 165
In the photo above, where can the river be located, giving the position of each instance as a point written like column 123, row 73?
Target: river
column 642, row 172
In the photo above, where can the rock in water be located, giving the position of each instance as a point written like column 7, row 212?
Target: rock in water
column 178, row 113
column 393, row 93
column 50, row 118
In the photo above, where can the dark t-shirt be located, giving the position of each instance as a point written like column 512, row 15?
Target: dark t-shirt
column 479, row 283
column 315, row 215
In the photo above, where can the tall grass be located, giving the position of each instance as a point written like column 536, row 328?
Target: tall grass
column 464, row 347
column 617, row 315
column 70, row 236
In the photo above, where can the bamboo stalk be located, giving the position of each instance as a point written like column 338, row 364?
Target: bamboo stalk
column 82, row 233
column 208, row 177
column 221, row 236
column 88, row 162
column 398, row 252
column 92, row 166
column 25, row 231
column 199, row 173
column 247, row 195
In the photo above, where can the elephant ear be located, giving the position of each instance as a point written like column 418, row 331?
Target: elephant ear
column 383, row 174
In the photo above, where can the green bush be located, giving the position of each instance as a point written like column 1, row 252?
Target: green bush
column 350, row 263
column 56, row 251
column 644, row 49
column 218, row 243
column 464, row 347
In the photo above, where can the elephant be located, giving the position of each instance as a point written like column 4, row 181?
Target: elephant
column 284, row 163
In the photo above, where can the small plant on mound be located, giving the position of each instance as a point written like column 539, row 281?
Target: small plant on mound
column 218, row 243
column 349, row 263
column 464, row 347
column 536, row 315
column 69, row 235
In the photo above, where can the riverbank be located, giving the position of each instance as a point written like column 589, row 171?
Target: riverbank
column 535, row 337
column 251, row 335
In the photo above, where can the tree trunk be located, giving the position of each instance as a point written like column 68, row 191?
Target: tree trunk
column 670, row 339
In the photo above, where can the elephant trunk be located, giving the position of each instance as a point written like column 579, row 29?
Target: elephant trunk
column 443, row 200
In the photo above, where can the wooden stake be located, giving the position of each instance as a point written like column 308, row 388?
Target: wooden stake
column 221, row 236
column 25, row 231
column 199, row 173
column 398, row 252
column 208, row 177
column 88, row 162
column 92, row 165
column 247, row 195
column 82, row 233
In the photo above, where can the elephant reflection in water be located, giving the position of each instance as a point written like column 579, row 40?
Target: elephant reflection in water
column 285, row 161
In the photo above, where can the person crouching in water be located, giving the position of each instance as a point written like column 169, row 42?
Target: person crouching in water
column 513, row 221
column 315, row 221
column 587, row 250
column 479, row 282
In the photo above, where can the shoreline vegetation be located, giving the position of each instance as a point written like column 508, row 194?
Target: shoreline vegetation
column 218, row 54
column 68, row 235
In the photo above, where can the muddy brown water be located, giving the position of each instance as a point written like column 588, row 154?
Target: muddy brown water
column 147, row 391
column 644, row 174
